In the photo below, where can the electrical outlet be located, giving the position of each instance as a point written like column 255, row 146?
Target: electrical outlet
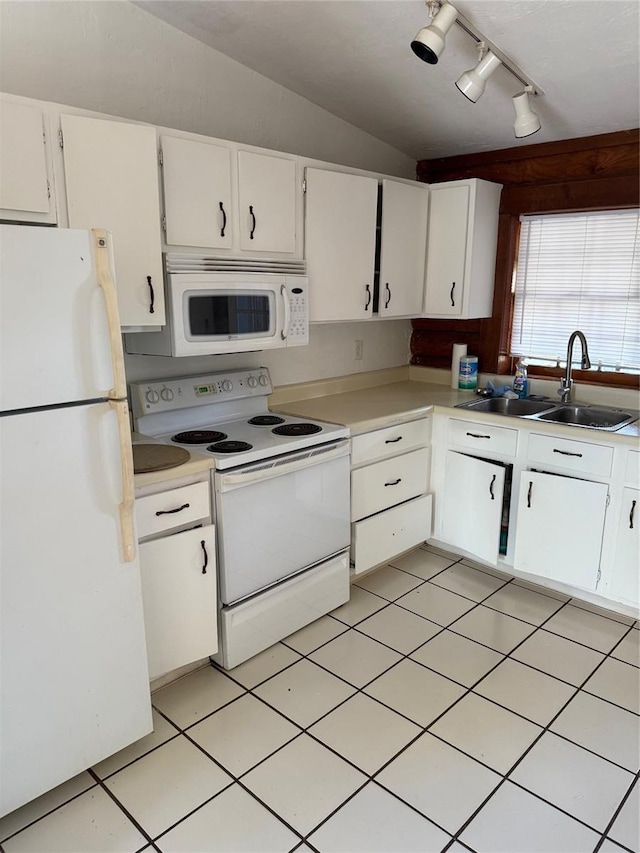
column 358, row 351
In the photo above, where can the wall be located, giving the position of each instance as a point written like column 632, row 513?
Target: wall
column 114, row 58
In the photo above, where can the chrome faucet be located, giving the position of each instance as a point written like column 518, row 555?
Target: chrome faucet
column 564, row 390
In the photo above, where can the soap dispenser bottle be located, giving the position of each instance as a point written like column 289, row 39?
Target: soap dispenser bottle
column 520, row 381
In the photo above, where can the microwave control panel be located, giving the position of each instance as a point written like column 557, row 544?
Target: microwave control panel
column 299, row 323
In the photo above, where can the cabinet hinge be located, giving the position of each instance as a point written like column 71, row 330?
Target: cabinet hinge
column 608, row 499
column 304, row 185
column 48, row 190
column 164, row 222
column 60, row 138
column 160, row 157
column 598, row 576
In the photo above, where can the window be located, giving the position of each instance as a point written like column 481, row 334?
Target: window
column 579, row 271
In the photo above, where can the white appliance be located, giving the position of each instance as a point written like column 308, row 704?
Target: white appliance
column 73, row 674
column 281, row 490
column 220, row 312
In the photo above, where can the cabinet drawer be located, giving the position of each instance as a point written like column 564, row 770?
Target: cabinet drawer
column 390, row 441
column 378, row 539
column 579, row 456
column 632, row 468
column 483, row 437
column 384, row 484
column 173, row 508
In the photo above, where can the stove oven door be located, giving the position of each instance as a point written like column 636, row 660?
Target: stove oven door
column 277, row 517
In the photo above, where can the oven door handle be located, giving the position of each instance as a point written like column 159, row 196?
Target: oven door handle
column 284, row 334
column 225, row 481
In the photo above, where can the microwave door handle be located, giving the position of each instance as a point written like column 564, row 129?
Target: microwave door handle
column 284, row 334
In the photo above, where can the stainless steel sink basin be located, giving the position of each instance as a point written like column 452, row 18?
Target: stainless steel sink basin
column 505, row 406
column 589, row 416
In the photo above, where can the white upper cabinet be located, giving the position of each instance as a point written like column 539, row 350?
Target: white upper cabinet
column 26, row 185
column 340, row 239
column 461, row 249
column 196, row 178
column 402, row 248
column 230, row 200
column 267, row 194
column 111, row 176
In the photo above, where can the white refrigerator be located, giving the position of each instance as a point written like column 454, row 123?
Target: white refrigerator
column 73, row 673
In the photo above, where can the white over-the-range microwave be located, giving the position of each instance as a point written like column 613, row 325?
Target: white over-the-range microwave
column 209, row 313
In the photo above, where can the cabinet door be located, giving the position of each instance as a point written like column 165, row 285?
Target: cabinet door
column 340, row 241
column 196, row 178
column 402, row 248
column 267, row 191
column 111, row 176
column 446, row 250
column 179, row 597
column 559, row 528
column 471, row 511
column 625, row 584
column 25, row 187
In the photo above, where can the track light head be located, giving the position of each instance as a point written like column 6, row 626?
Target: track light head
column 472, row 83
column 527, row 122
column 429, row 41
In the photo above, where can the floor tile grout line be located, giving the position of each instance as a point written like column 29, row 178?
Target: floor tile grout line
column 50, row 812
column 623, row 801
column 124, row 809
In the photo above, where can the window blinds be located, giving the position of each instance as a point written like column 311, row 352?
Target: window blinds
column 579, row 271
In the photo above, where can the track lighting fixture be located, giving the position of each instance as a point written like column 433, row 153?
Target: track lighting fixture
column 472, row 83
column 527, row 122
column 429, row 44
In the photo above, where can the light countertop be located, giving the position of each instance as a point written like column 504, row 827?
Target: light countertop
column 196, row 464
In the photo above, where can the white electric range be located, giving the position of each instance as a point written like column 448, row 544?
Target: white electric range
column 281, row 493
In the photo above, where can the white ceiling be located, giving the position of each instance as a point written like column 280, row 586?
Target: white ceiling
column 352, row 57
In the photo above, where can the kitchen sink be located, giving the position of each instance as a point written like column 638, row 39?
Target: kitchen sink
column 505, row 406
column 589, row 416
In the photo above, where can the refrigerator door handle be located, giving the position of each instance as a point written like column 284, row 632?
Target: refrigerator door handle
column 108, row 285
column 126, row 508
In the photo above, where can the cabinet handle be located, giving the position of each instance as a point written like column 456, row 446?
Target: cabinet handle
column 477, row 435
column 566, row 453
column 633, row 506
column 253, row 218
column 171, row 511
column 152, row 295
column 206, row 557
column 393, row 440
column 453, row 302
column 224, row 220
column 493, row 479
column 394, row 482
column 529, row 494
column 388, row 289
column 368, row 289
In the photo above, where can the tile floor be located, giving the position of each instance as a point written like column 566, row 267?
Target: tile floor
column 445, row 707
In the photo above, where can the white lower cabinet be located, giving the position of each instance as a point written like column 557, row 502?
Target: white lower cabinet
column 472, row 504
column 390, row 507
column 179, row 596
column 625, row 582
column 178, row 569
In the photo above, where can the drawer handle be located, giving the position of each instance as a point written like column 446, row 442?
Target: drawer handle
column 393, row 440
column 394, row 482
column 529, row 494
column 566, row 452
column 477, row 435
column 493, row 479
column 206, row 557
column 633, row 506
column 171, row 511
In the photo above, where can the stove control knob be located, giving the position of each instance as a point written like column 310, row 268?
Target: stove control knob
column 167, row 395
column 227, row 385
column 252, row 382
column 263, row 379
column 152, row 397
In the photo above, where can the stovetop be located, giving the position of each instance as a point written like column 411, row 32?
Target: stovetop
column 225, row 416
